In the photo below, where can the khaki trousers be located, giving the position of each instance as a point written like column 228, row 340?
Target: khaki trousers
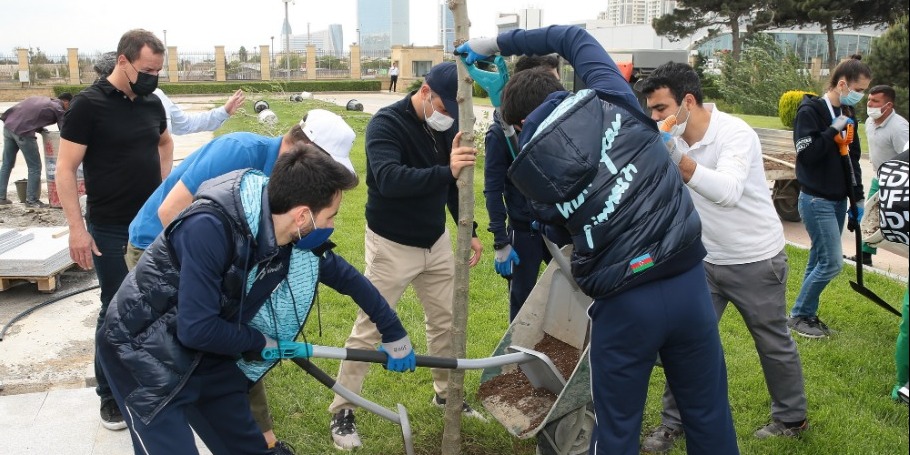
column 391, row 267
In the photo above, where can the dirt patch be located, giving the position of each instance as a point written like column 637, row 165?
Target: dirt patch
column 516, row 400
column 17, row 215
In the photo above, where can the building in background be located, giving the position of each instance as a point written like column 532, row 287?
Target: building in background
column 330, row 41
column 382, row 24
column 446, row 28
column 527, row 18
column 635, row 12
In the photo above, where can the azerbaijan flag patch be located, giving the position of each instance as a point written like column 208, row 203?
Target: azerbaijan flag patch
column 641, row 263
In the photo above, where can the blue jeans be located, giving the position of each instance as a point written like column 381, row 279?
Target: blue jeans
column 110, row 268
column 12, row 143
column 824, row 220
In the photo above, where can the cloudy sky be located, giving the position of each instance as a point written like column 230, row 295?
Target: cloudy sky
column 197, row 25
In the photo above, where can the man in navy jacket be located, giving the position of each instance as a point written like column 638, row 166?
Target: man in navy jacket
column 593, row 163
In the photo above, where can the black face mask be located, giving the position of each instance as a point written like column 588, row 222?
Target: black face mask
column 145, row 83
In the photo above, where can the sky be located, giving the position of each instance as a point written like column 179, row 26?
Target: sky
column 199, row 25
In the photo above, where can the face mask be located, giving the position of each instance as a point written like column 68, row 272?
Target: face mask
column 316, row 237
column 145, row 83
column 436, row 120
column 874, row 112
column 851, row 98
column 679, row 128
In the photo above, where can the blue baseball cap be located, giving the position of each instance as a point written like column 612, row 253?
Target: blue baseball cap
column 443, row 80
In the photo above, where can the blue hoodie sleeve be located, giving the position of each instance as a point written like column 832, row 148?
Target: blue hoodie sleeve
column 591, row 62
column 496, row 164
column 200, row 325
column 341, row 276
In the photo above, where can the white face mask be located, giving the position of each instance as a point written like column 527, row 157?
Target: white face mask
column 436, row 120
column 678, row 129
column 874, row 112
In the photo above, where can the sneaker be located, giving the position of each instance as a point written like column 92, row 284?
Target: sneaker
column 4, row 201
column 661, row 439
column 282, row 448
column 808, row 326
column 867, row 258
column 466, row 409
column 111, row 418
column 778, row 428
column 344, row 430
column 36, row 205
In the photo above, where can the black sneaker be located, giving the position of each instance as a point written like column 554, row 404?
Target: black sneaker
column 661, row 439
column 778, row 428
column 282, row 448
column 466, row 409
column 36, row 205
column 808, row 326
column 111, row 418
column 344, row 430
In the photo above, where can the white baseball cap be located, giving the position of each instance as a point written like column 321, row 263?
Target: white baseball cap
column 331, row 133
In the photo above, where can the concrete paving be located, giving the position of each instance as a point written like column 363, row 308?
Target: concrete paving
column 47, row 400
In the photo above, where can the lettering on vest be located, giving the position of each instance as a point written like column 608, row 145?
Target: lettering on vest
column 607, row 143
column 619, row 188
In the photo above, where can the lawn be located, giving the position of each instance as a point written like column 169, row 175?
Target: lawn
column 848, row 377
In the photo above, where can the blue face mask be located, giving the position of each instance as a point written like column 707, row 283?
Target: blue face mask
column 851, row 98
column 315, row 238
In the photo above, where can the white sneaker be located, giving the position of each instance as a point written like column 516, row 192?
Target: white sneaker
column 344, row 430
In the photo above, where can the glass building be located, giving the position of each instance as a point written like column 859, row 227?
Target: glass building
column 382, row 24
column 807, row 44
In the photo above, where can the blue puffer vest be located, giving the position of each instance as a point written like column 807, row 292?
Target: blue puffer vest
column 602, row 173
column 141, row 323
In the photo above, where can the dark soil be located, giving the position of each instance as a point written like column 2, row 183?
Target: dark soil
column 514, row 390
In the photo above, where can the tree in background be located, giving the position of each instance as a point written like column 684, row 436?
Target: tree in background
column 889, row 63
column 242, row 54
column 833, row 15
column 716, row 16
column 754, row 83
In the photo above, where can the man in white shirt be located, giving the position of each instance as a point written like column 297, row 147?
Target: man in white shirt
column 719, row 158
column 886, row 132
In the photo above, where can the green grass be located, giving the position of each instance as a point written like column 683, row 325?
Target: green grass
column 848, row 377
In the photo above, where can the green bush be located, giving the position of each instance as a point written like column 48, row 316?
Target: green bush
column 756, row 81
column 788, row 104
column 415, row 85
column 479, row 92
column 219, row 88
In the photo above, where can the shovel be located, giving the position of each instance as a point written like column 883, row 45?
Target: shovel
column 537, row 366
column 843, row 143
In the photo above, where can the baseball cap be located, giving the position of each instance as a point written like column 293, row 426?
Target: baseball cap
column 443, row 80
column 331, row 133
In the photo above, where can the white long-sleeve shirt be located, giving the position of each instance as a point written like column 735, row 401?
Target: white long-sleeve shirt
column 179, row 122
column 731, row 195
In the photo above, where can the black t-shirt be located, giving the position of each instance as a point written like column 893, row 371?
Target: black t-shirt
column 121, row 165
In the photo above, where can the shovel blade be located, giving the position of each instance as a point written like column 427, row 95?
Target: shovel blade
column 540, row 371
column 867, row 293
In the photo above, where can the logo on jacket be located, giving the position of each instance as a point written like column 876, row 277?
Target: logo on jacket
column 641, row 263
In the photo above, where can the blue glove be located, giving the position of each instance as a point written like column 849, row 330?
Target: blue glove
column 859, row 213
column 400, row 355
column 286, row 350
column 505, row 258
column 477, row 49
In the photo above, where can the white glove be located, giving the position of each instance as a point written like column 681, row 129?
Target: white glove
column 478, row 49
column 841, row 122
column 670, row 141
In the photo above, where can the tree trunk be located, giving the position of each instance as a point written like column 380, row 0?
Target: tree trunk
column 451, row 436
column 832, row 45
column 737, row 42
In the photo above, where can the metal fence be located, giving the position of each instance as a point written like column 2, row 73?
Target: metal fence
column 195, row 66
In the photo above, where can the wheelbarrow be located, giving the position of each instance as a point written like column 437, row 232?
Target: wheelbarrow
column 556, row 308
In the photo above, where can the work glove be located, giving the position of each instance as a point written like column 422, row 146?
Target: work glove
column 477, row 49
column 505, row 258
column 675, row 153
column 859, row 213
column 275, row 350
column 400, row 355
column 841, row 122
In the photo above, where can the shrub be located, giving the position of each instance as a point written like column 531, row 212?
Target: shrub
column 788, row 104
column 479, row 92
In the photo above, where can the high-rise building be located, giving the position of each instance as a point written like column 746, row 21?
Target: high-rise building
column 446, row 28
column 382, row 24
column 657, row 8
column 325, row 41
column 527, row 18
column 626, row 12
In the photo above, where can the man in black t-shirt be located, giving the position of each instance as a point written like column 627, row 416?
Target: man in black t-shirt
column 117, row 130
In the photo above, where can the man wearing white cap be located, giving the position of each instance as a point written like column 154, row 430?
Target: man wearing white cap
column 224, row 154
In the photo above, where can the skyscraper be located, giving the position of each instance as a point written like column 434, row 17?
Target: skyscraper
column 382, row 24
column 446, row 28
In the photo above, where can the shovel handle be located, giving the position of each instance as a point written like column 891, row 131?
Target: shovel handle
column 366, row 355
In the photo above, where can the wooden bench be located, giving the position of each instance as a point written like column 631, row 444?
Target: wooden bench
column 780, row 166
